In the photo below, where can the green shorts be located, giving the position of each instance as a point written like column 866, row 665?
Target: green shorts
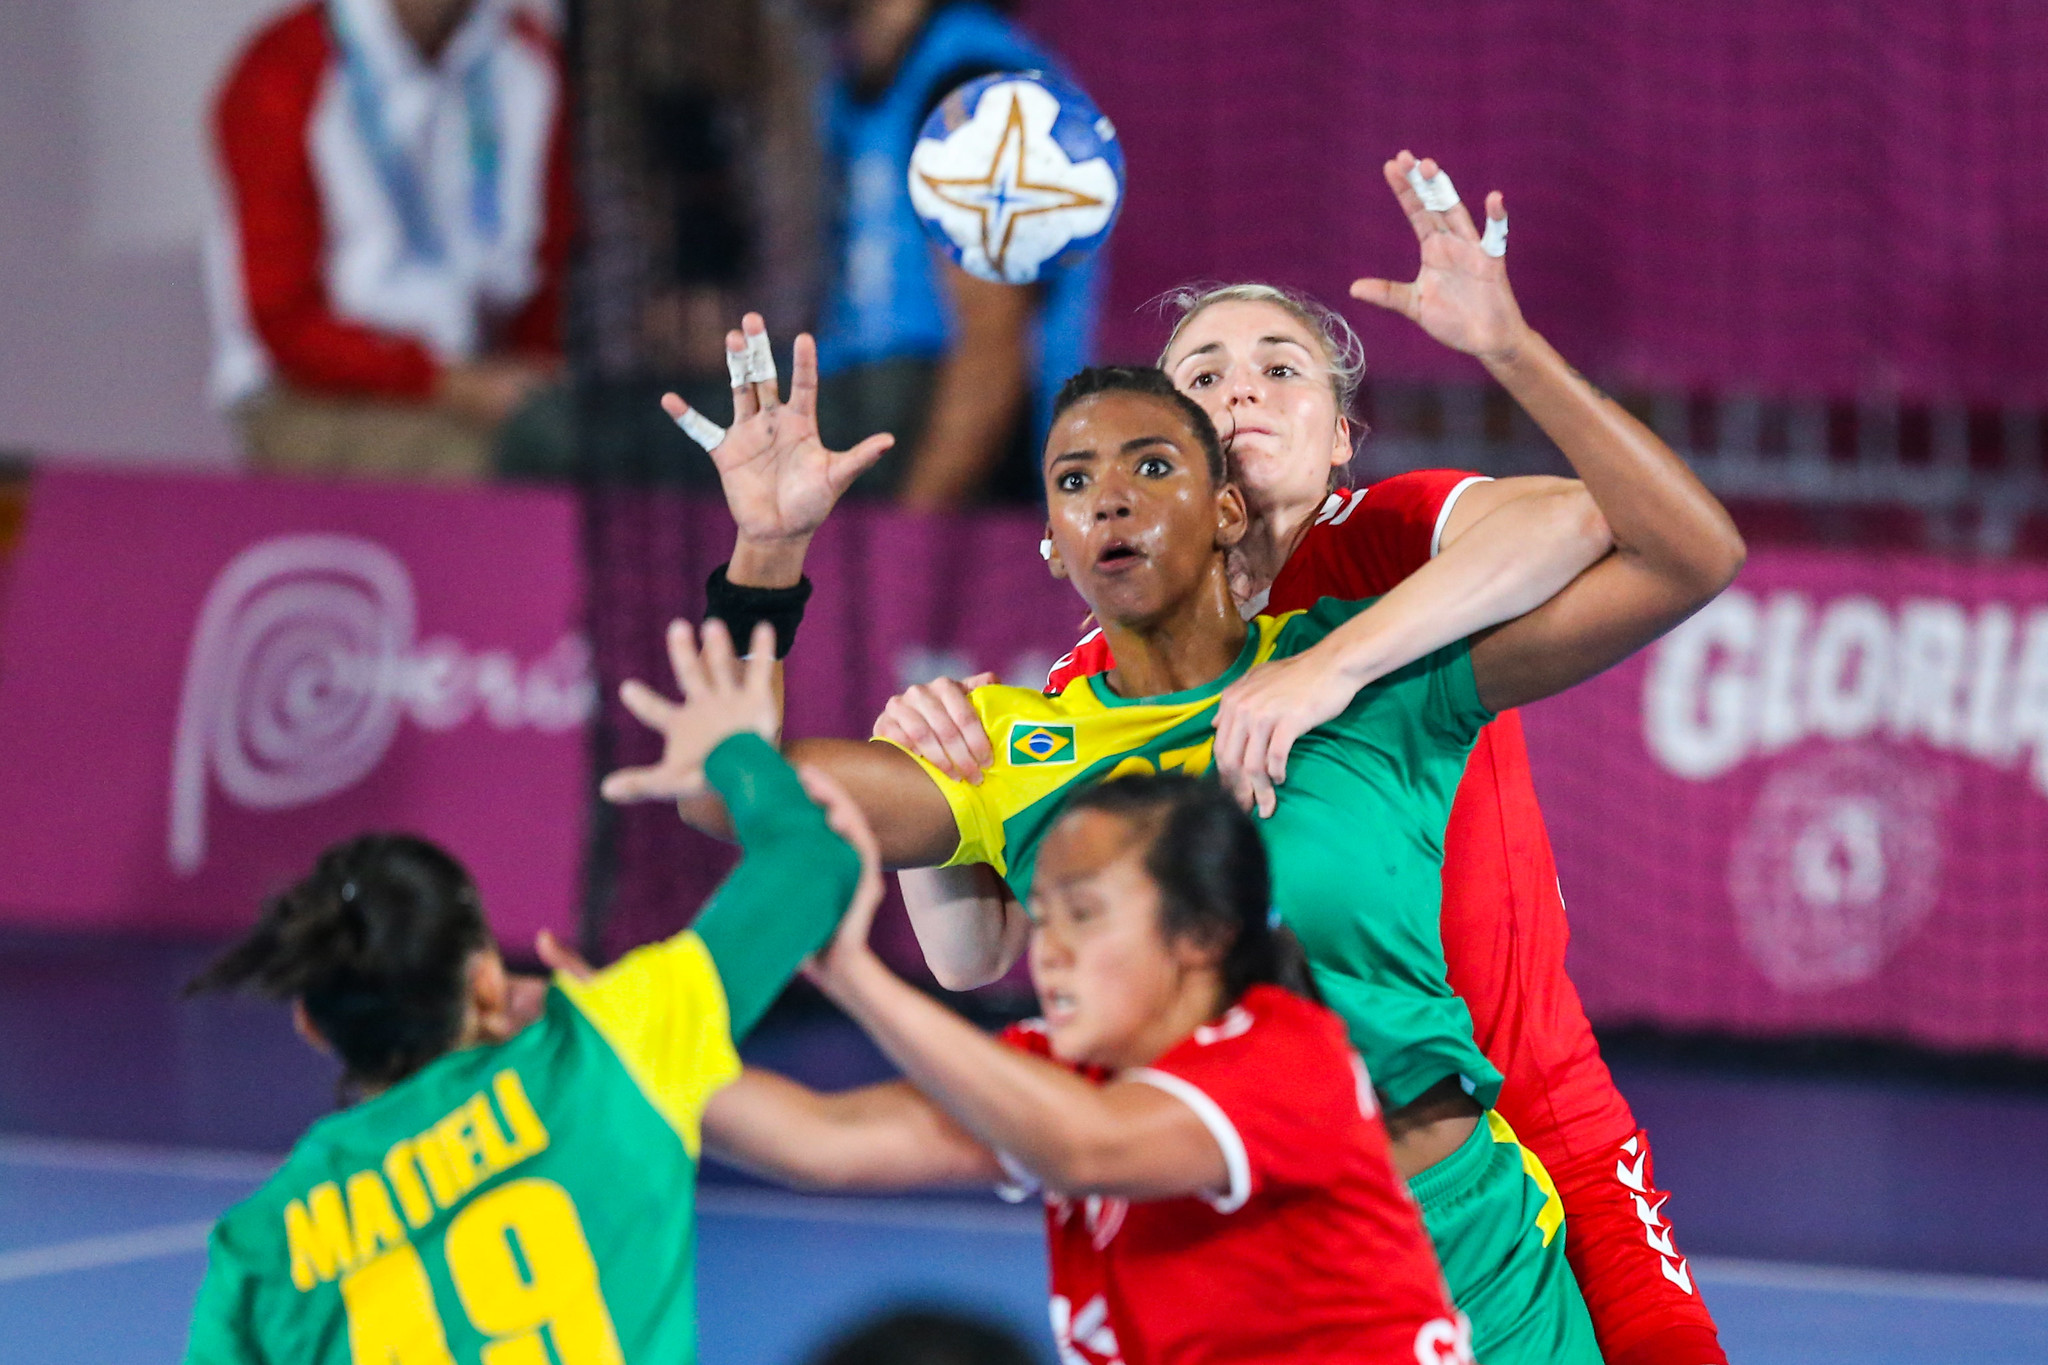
column 1498, row 1226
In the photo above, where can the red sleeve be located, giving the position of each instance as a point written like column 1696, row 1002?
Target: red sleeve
column 260, row 126
column 1091, row 655
column 1365, row 543
column 1265, row 1084
column 536, row 330
column 1028, row 1036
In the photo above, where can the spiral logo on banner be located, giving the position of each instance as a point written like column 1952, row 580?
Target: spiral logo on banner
column 1840, row 862
column 303, row 665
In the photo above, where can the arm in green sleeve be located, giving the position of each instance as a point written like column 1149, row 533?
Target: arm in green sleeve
column 793, row 883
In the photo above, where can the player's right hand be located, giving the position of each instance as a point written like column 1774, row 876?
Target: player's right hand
column 937, row 722
column 780, row 481
column 723, row 696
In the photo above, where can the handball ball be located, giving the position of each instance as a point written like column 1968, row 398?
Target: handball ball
column 1015, row 174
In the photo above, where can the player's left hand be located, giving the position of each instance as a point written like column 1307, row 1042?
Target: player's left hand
column 780, row 481
column 937, row 722
column 830, row 969
column 1460, row 294
column 1264, row 712
column 723, row 696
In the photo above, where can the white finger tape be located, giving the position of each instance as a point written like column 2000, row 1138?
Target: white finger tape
column 701, row 429
column 736, row 365
column 1494, row 241
column 1436, row 192
column 760, row 360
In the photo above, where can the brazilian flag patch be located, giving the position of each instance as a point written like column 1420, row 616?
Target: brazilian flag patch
column 1036, row 744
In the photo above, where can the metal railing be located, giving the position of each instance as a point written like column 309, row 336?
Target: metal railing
column 1975, row 475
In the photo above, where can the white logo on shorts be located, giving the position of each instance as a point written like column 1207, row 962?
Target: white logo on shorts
column 1444, row 1341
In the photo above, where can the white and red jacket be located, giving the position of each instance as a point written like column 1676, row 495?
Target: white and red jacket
column 381, row 217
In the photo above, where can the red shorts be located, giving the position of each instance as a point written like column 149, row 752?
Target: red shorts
column 1504, row 935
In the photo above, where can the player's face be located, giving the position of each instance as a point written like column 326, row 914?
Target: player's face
column 1264, row 380
column 1134, row 519
column 1110, row 985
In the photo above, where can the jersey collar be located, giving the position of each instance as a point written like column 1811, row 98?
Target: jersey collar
column 1258, row 646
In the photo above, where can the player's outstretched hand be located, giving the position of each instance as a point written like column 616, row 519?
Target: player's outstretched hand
column 937, row 722
column 1460, row 295
column 723, row 696
column 1261, row 715
column 832, row 969
column 779, row 479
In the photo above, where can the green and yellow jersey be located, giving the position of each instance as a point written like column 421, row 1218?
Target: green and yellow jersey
column 531, row 1202
column 1355, row 844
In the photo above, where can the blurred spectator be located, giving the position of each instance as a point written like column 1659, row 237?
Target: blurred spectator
column 908, row 342
column 386, row 272
column 926, row 1336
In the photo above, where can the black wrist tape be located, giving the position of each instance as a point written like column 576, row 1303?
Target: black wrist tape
column 742, row 608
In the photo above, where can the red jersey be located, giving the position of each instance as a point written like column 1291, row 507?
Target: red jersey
column 1504, row 939
column 1315, row 1252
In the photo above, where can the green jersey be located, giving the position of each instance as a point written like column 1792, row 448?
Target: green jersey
column 1355, row 844
column 532, row 1201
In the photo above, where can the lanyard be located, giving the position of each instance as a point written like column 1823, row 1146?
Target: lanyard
column 399, row 174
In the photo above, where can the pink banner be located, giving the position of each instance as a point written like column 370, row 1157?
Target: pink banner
column 1817, row 806
column 206, row 680
column 1719, row 195
column 1821, row 805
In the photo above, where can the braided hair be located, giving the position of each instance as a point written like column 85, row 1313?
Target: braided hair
column 376, row 943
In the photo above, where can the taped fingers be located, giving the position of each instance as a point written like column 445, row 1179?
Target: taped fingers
column 1436, row 192
column 700, row 429
column 757, row 362
column 1495, row 242
column 760, row 360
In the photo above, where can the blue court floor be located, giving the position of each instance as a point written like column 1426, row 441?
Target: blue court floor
column 101, row 1248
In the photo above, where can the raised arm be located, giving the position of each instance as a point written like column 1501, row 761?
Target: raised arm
column 780, row 481
column 879, row 1137
column 1674, row 544
column 1124, row 1138
column 1513, row 550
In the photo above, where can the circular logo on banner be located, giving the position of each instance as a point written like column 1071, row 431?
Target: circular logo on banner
column 1839, row 864
column 304, row 661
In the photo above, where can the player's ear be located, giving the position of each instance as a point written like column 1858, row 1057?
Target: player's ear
column 490, row 991
column 1232, row 521
column 1051, row 555
column 1340, row 443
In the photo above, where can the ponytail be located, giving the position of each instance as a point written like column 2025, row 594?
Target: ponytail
column 376, row 943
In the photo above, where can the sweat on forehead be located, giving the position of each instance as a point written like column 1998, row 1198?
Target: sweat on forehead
column 1143, row 381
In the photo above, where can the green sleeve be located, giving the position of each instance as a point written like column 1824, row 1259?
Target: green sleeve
column 1439, row 688
column 793, row 883
column 220, row 1327
column 1451, row 704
